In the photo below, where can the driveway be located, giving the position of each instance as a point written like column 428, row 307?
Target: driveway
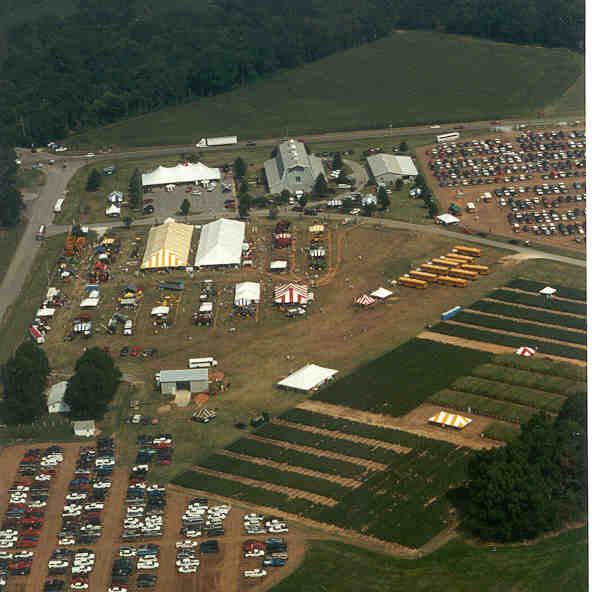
column 359, row 173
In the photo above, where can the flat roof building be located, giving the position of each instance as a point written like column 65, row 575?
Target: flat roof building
column 387, row 168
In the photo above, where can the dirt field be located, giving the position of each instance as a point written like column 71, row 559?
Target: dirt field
column 491, row 217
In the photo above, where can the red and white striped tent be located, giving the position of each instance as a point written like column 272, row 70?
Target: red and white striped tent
column 525, row 351
column 291, row 294
column 366, row 300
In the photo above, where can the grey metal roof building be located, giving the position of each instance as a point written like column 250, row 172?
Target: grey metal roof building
column 387, row 168
column 292, row 168
column 195, row 381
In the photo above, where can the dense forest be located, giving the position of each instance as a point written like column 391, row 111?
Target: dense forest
column 94, row 62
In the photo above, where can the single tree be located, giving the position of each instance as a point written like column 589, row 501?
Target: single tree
column 369, row 209
column 347, row 205
column 11, row 205
column 284, row 196
column 382, row 198
column 403, row 146
column 337, row 161
column 243, row 209
column 243, row 188
column 303, row 200
column 273, row 212
column 433, row 208
column 399, row 184
column 420, row 181
column 239, row 167
column 94, row 180
column 320, row 187
column 185, row 207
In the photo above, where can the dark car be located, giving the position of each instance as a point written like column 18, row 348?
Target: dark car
column 251, row 143
column 149, row 209
column 124, row 351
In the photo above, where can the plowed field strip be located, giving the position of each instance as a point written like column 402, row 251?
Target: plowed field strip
column 294, row 469
column 555, row 297
column 370, row 465
column 499, row 316
column 505, row 401
column 312, row 497
column 340, row 435
column 559, row 312
column 502, row 332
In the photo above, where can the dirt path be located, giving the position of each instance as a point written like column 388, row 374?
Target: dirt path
column 517, row 304
column 368, row 464
column 314, row 406
column 312, row 497
column 345, row 482
column 406, row 424
column 513, row 333
column 500, row 316
column 488, row 347
column 555, row 297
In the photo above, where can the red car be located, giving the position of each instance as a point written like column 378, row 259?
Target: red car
column 188, row 188
column 135, row 351
column 20, row 565
column 32, row 520
column 26, row 544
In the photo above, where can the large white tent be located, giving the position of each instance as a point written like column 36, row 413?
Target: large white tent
column 247, row 293
column 307, row 378
column 220, row 243
column 182, row 173
column 168, row 245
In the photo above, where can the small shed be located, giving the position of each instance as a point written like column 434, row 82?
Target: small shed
column 55, row 398
column 84, row 429
column 194, row 381
column 309, row 377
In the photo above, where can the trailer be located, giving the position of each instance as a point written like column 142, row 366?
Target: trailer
column 413, row 283
column 463, row 273
column 450, row 313
column 431, row 268
column 459, row 257
column 219, row 141
column 471, row 251
column 449, row 137
column 480, row 269
column 423, row 275
column 447, row 280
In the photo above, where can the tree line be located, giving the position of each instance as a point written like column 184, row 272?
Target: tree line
column 112, row 59
column 11, row 203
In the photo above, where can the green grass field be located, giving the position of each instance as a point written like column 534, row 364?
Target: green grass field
column 573, row 100
column 441, row 79
column 555, row 564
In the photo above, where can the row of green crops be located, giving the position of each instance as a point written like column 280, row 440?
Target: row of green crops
column 562, row 291
column 516, row 326
column 535, row 380
column 545, row 347
column 540, row 301
column 295, row 458
column 543, row 366
column 501, row 431
column 515, row 394
column 530, row 314
column 482, row 406
column 397, row 382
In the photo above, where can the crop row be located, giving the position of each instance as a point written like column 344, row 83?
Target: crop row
column 236, row 466
column 482, row 406
column 501, row 431
column 535, row 380
column 553, row 349
column 562, row 291
column 295, row 458
column 530, row 314
column 372, row 388
column 543, row 366
column 516, row 326
column 356, row 428
column 540, row 301
column 296, row 436
column 516, row 394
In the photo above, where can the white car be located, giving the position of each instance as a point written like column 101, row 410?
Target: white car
column 94, row 506
column 193, row 533
column 57, row 564
column 155, row 487
column 186, row 561
column 277, row 529
column 148, row 565
column 255, row 573
column 184, row 569
column 185, row 544
column 73, row 497
column 253, row 516
column 127, row 551
column 434, row 127
column 117, row 589
column 81, row 570
column 89, row 155
column 66, row 541
column 71, row 514
column 79, row 586
column 254, row 553
column 5, row 556
column 21, row 555
column 37, row 505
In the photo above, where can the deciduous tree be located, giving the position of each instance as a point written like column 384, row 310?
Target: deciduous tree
column 94, row 180
column 320, row 187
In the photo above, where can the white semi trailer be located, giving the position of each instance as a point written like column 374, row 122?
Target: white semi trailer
column 221, row 141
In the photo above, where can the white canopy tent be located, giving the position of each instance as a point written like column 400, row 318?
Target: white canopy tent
column 113, row 210
column 278, row 265
column 43, row 313
column 206, row 307
column 220, row 243
column 89, row 303
column 160, row 311
column 381, row 293
column 548, row 291
column 247, row 293
column 182, row 173
column 307, row 378
column 447, row 219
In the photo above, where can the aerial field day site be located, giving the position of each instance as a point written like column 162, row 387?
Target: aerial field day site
column 293, row 298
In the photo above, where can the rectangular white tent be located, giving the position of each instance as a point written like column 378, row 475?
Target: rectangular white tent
column 206, row 307
column 307, row 378
column 168, row 245
column 278, row 265
column 381, row 293
column 220, row 243
column 55, row 398
column 247, row 293
column 447, row 219
column 182, row 173
column 45, row 312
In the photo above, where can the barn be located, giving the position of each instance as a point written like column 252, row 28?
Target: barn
column 387, row 168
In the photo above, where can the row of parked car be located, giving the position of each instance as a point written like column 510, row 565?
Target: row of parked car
column 202, row 519
column 273, row 552
column 146, row 557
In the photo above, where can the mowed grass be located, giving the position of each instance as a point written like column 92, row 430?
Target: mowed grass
column 9, row 240
column 558, row 563
column 573, row 100
column 409, row 78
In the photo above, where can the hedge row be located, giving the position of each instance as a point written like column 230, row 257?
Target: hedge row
column 295, row 458
column 529, row 314
column 543, row 366
column 535, row 380
column 562, row 291
column 516, row 394
column 545, row 347
column 235, row 466
column 474, row 318
column 541, row 301
column 482, row 406
column 296, row 436
column 356, row 428
column 398, row 381
column 501, row 431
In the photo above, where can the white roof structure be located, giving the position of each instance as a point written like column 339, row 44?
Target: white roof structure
column 220, row 243
column 307, row 378
column 447, row 219
column 45, row 312
column 182, row 173
column 51, row 293
column 85, row 429
column 450, row 420
column 89, row 303
column 168, row 245
column 548, row 291
column 247, row 293
column 199, row 374
column 389, row 163
column 381, row 293
column 113, row 210
column 206, row 307
column 278, row 265
column 55, row 398
column 159, row 311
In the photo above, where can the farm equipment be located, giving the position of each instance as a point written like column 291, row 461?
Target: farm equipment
column 99, row 272
column 204, row 415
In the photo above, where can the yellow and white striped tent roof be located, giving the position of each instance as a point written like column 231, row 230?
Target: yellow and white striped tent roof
column 168, row 246
column 316, row 228
column 451, row 420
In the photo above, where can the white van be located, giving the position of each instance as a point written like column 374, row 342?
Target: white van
column 202, row 363
column 128, row 327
